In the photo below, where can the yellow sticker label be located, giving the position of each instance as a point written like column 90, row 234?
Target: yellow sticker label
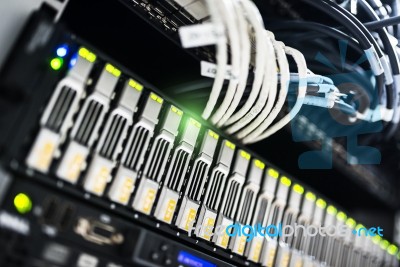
column 208, row 228
column 101, row 180
column 170, row 210
column 242, row 245
column 148, row 200
column 299, row 263
column 271, row 257
column 257, row 251
column 225, row 239
column 190, row 218
column 74, row 167
column 126, row 190
column 46, row 155
column 285, row 260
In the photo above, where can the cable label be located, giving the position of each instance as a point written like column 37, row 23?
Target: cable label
column 209, row 70
column 396, row 116
column 387, row 70
column 201, row 34
column 373, row 58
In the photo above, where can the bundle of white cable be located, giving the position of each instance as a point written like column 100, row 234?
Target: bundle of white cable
column 255, row 20
column 252, row 122
column 222, row 58
column 244, row 64
column 226, row 7
column 302, row 70
column 266, row 117
column 268, row 91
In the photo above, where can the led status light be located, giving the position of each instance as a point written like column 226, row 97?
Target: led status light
column 384, row 244
column 213, row 134
column 230, row 145
column 22, row 203
column 321, row 203
column 73, row 60
column 259, row 164
column 195, row 123
column 376, row 239
column 392, row 250
column 273, row 173
column 298, row 189
column 341, row 216
column 332, row 210
column 113, row 70
column 351, row 222
column 62, row 51
column 156, row 98
column 56, row 63
column 136, row 85
column 311, row 196
column 286, row 181
column 89, row 56
column 176, row 110
column 245, row 155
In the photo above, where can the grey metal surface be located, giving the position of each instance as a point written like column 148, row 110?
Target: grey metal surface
column 13, row 15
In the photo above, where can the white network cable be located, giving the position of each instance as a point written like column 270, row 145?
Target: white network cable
column 244, row 65
column 254, row 118
column 227, row 10
column 221, row 59
column 302, row 71
column 256, row 22
column 268, row 91
column 264, row 120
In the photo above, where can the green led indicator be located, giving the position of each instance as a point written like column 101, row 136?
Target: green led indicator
column 56, row 63
column 22, row 203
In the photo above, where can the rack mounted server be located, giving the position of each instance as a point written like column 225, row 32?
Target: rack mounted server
column 99, row 168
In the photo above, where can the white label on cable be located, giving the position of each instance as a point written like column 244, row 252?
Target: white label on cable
column 374, row 60
column 353, row 7
column 384, row 114
column 201, row 34
column 389, row 114
column 209, row 69
column 393, row 40
column 388, row 71
column 396, row 117
column 379, row 114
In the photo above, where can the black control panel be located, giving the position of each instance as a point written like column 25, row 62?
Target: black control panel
column 43, row 226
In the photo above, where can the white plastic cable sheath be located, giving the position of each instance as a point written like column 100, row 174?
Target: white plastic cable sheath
column 302, row 70
column 221, row 60
column 244, row 64
column 268, row 90
column 255, row 19
column 264, row 120
column 229, row 18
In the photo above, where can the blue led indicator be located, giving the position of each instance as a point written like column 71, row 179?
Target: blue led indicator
column 62, row 51
column 193, row 261
column 72, row 62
